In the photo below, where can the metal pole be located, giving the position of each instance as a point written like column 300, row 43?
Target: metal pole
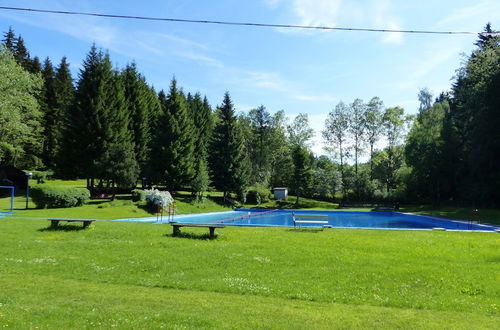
column 28, row 176
column 12, row 199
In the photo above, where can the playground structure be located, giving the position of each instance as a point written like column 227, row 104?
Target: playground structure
column 12, row 191
column 169, row 212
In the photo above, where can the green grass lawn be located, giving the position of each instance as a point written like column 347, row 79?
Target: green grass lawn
column 123, row 207
column 459, row 213
column 133, row 275
column 304, row 203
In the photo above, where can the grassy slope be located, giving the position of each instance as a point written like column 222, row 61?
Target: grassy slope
column 304, row 203
column 459, row 213
column 104, row 209
column 133, row 275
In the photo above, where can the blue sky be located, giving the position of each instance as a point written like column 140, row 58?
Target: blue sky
column 294, row 70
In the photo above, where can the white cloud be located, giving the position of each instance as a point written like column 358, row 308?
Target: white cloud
column 314, row 98
column 267, row 80
column 243, row 107
column 137, row 44
column 199, row 58
column 484, row 11
column 177, row 40
column 317, row 12
column 333, row 13
column 272, row 3
column 434, row 58
column 382, row 19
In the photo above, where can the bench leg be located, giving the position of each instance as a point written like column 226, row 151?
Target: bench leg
column 212, row 232
column 54, row 223
column 177, row 231
column 86, row 224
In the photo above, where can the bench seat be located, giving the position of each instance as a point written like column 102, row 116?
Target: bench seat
column 299, row 219
column 211, row 227
column 55, row 222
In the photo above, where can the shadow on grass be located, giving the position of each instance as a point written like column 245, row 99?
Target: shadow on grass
column 96, row 202
column 219, row 200
column 146, row 208
column 202, row 237
column 63, row 228
column 306, row 230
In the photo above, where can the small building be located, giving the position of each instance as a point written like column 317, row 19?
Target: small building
column 280, row 193
column 12, row 176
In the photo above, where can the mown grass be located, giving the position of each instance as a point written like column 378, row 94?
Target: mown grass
column 483, row 215
column 122, row 207
column 134, row 275
column 304, row 203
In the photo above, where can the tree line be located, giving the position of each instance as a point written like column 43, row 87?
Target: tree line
column 114, row 129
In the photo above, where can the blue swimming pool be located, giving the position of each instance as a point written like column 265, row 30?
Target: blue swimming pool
column 334, row 219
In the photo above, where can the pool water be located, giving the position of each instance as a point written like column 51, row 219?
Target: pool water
column 336, row 219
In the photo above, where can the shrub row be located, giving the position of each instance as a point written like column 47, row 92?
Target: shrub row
column 258, row 195
column 51, row 197
column 138, row 195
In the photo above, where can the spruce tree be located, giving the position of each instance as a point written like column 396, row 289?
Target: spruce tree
column 9, row 39
column 147, row 170
column 138, row 103
column 48, row 105
column 22, row 56
column 201, row 113
column 99, row 119
column 64, row 91
column 34, row 65
column 116, row 163
column 155, row 168
column 228, row 155
column 177, row 140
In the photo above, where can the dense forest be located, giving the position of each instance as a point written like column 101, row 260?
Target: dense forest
column 110, row 126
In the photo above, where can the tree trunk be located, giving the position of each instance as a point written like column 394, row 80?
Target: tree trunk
column 356, row 157
column 371, row 161
column 114, row 190
column 342, row 171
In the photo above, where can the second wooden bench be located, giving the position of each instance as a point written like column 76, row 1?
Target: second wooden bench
column 299, row 219
column 55, row 222
column 211, row 227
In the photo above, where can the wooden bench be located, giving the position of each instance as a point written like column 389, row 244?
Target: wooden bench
column 298, row 219
column 177, row 227
column 55, row 222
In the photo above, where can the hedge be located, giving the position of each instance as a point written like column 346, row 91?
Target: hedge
column 258, row 195
column 53, row 197
column 138, row 195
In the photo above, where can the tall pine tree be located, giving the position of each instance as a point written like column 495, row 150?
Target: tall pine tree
column 64, row 91
column 137, row 94
column 99, row 126
column 176, row 144
column 201, row 113
column 48, row 105
column 228, row 155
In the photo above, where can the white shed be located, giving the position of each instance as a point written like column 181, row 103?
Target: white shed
column 280, row 193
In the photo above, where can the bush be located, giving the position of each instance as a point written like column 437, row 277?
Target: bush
column 41, row 176
column 138, row 195
column 253, row 197
column 258, row 195
column 53, row 197
column 156, row 197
